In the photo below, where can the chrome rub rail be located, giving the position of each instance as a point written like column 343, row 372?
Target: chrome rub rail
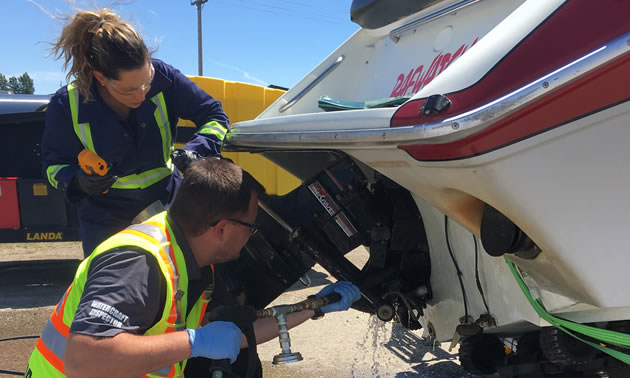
column 395, row 34
column 444, row 131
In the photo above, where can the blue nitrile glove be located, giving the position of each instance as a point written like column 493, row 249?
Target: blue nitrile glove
column 216, row 340
column 349, row 294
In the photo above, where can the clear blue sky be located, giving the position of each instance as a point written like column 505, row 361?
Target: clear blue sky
column 255, row 41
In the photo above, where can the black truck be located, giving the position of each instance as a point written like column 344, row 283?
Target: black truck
column 30, row 209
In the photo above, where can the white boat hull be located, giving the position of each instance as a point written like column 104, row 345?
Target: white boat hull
column 544, row 146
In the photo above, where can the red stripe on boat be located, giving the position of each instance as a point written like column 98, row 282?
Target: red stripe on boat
column 575, row 29
column 596, row 91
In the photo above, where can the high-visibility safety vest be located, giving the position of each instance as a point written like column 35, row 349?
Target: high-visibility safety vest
column 147, row 178
column 153, row 236
column 138, row 180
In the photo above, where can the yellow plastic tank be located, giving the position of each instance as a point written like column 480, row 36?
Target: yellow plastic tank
column 244, row 102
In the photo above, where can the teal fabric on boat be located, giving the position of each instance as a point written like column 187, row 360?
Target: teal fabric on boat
column 331, row 104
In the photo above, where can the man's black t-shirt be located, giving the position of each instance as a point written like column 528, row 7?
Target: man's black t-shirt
column 121, row 294
column 125, row 291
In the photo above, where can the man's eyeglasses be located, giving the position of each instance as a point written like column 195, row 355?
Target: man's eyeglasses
column 130, row 91
column 253, row 228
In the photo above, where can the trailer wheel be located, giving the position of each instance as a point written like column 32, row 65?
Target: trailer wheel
column 564, row 350
column 528, row 344
column 480, row 354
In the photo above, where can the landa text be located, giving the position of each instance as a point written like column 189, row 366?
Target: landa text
column 41, row 236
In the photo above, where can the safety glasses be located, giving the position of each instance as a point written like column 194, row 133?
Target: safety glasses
column 131, row 91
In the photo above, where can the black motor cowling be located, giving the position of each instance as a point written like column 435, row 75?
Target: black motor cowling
column 335, row 211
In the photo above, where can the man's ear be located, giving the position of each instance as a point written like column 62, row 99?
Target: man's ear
column 219, row 230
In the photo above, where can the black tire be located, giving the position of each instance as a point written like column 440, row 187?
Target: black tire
column 528, row 344
column 564, row 350
column 480, row 354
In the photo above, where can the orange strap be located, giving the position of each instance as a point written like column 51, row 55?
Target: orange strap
column 50, row 356
column 56, row 318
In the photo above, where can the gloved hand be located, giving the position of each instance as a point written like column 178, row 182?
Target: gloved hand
column 92, row 185
column 184, row 158
column 216, row 340
column 349, row 294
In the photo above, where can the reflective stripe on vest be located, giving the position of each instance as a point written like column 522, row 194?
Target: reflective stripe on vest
column 51, row 346
column 161, row 117
column 135, row 181
column 81, row 129
column 51, row 173
column 143, row 180
column 153, row 230
column 214, row 128
column 152, row 236
column 54, row 341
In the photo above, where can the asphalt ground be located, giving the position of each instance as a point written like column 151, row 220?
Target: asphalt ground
column 345, row 344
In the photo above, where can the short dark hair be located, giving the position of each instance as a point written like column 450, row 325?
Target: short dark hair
column 212, row 189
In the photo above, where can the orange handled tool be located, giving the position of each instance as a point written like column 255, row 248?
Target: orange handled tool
column 92, row 164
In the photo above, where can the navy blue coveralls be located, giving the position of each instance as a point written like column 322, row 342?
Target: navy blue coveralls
column 138, row 151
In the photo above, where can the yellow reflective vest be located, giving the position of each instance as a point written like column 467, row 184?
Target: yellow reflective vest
column 155, row 237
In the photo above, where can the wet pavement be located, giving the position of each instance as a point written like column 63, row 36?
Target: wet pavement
column 346, row 344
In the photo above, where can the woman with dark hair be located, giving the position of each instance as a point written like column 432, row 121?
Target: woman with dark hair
column 123, row 106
